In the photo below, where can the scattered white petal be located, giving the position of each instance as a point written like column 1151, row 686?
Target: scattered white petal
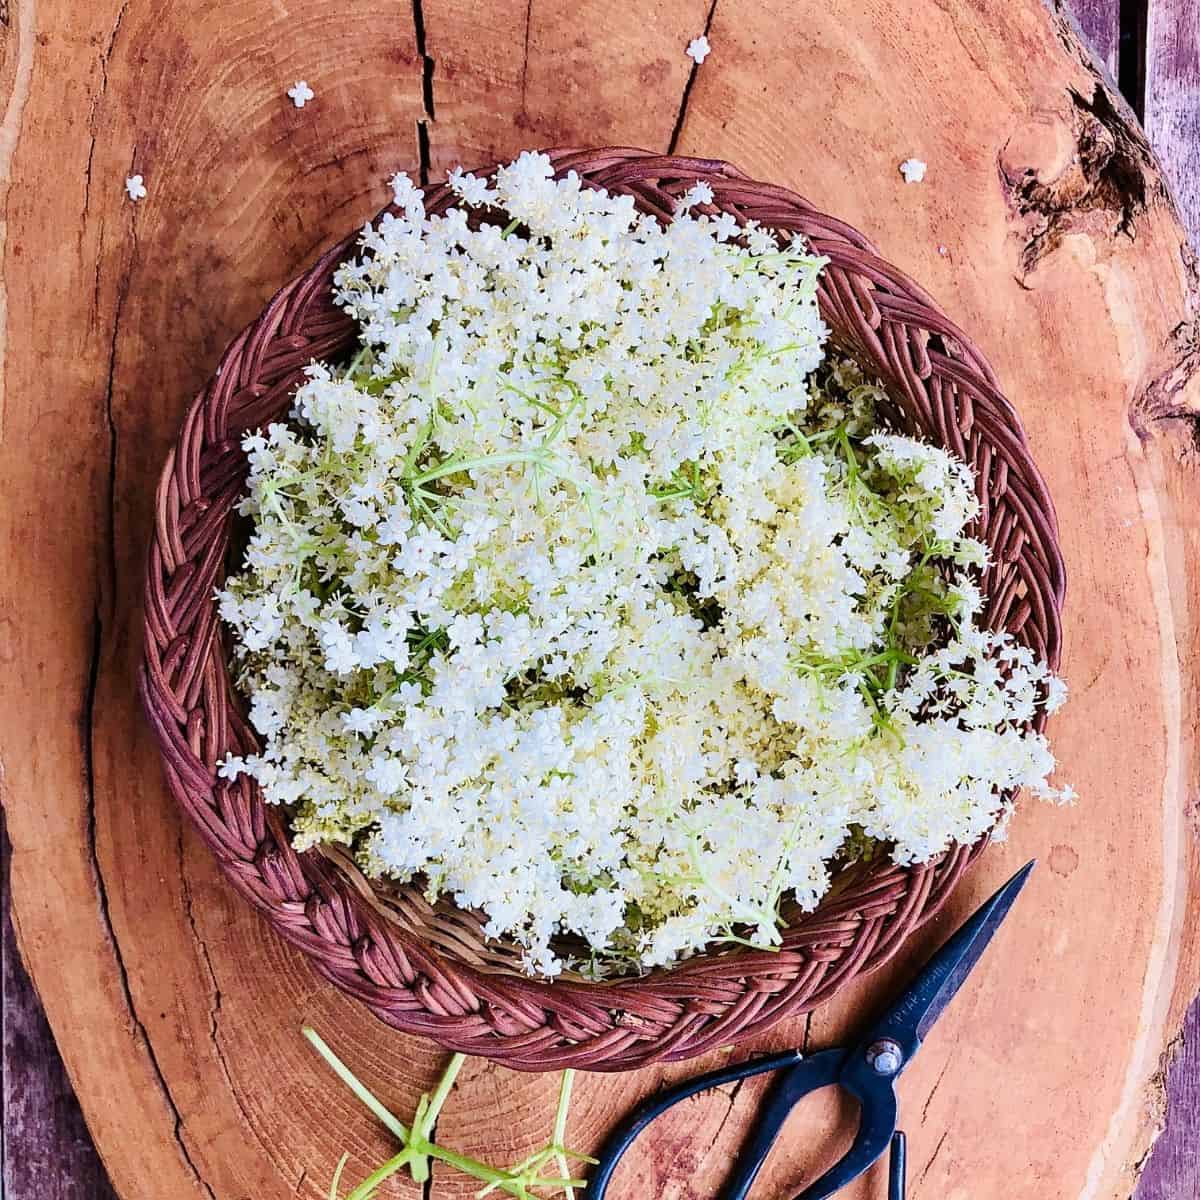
column 699, row 193
column 913, row 170
column 699, row 49
column 135, row 188
column 301, row 93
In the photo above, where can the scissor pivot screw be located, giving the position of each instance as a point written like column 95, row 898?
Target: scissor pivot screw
column 885, row 1057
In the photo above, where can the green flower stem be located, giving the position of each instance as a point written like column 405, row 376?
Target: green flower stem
column 564, row 1102
column 360, row 1090
column 548, row 408
column 366, row 1189
column 336, row 1182
column 454, row 466
column 418, row 1148
column 559, row 1133
column 426, row 1118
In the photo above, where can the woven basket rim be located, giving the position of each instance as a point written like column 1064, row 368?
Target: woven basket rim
column 419, row 967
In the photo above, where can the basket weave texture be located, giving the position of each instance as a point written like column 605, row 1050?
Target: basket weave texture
column 427, row 968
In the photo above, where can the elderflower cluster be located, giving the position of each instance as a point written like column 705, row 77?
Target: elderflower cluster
column 591, row 595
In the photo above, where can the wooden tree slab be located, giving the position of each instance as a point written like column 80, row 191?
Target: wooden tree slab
column 1043, row 226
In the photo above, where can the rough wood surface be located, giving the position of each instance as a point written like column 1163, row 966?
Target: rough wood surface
column 1100, row 23
column 46, row 1153
column 1043, row 227
column 1173, row 99
column 1172, row 1171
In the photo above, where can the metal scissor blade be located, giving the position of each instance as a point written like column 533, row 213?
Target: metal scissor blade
column 911, row 1018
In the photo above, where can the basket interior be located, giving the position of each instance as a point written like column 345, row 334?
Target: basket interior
column 427, row 967
column 458, row 932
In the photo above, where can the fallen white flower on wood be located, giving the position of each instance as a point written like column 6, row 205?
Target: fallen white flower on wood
column 699, row 49
column 300, row 93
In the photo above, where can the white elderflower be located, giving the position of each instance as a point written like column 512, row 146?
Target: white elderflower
column 699, row 49
column 913, row 170
column 592, row 594
column 300, row 93
column 135, row 188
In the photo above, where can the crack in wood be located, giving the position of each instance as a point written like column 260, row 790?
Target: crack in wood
column 525, row 58
column 933, row 1157
column 427, row 1185
column 1159, row 403
column 214, row 1008
column 111, row 428
column 105, row 57
column 677, row 128
column 937, row 1083
column 428, row 65
column 1131, row 60
column 732, row 1095
column 423, row 153
column 1107, row 174
column 141, row 1036
column 107, row 581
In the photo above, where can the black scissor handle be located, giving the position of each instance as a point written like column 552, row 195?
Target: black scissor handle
column 877, row 1116
column 627, row 1132
column 793, row 1084
column 798, row 1077
column 876, row 1121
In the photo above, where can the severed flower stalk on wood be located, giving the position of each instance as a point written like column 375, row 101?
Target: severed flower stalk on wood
column 524, row 1180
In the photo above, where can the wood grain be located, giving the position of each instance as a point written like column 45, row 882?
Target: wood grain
column 1173, row 1168
column 1100, row 23
column 1172, row 105
column 46, row 1153
column 1043, row 227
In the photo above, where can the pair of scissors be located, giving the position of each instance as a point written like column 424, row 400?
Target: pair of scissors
column 868, row 1071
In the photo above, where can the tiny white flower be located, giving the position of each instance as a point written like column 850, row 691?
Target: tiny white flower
column 300, row 93
column 1056, row 694
column 913, row 170
column 231, row 767
column 135, row 188
column 699, row 49
column 699, row 193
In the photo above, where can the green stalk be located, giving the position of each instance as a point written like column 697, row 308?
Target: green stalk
column 360, row 1090
column 453, row 467
column 366, row 1189
column 336, row 1182
column 559, row 1134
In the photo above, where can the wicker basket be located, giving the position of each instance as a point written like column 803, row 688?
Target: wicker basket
column 427, row 968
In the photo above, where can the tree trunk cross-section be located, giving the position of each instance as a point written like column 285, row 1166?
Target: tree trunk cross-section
column 1043, row 227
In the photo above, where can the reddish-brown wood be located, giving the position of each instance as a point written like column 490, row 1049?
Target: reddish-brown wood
column 1042, row 226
